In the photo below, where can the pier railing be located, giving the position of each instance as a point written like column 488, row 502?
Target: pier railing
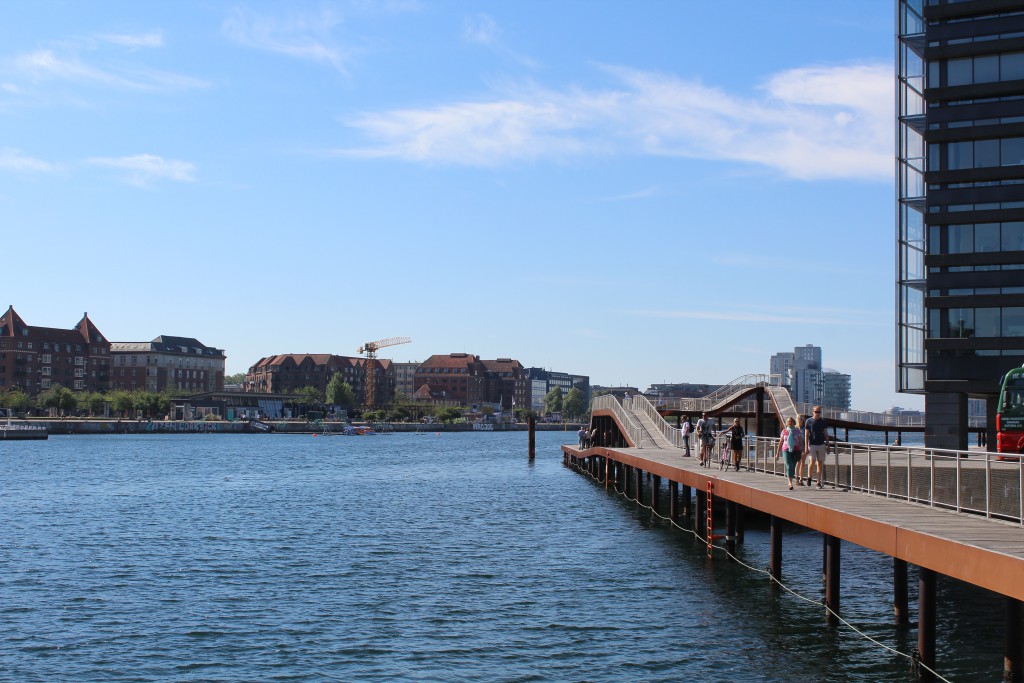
column 695, row 406
column 609, row 402
column 970, row 482
column 640, row 403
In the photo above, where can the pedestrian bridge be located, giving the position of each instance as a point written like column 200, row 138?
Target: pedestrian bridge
column 951, row 513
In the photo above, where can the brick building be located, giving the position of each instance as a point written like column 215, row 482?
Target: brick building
column 290, row 372
column 507, row 383
column 464, row 379
column 167, row 362
column 36, row 358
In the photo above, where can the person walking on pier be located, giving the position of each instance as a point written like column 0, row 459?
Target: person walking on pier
column 790, row 442
column 687, row 429
column 582, row 434
column 705, row 438
column 817, row 447
column 736, row 434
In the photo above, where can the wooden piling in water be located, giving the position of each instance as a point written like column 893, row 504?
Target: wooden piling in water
column 531, row 421
column 900, row 608
column 926, row 622
column 775, row 557
column 832, row 580
column 1013, row 647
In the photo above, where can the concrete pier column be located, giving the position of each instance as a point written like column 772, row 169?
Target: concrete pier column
column 926, row 622
column 627, row 479
column 687, row 501
column 775, row 558
column 1013, row 647
column 832, row 579
column 639, row 484
column 899, row 591
column 656, row 493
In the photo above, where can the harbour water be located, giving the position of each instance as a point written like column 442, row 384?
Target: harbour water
column 413, row 557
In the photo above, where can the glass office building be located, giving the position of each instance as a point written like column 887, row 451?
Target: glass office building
column 960, row 214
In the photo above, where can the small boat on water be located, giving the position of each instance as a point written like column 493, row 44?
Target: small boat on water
column 364, row 431
column 23, row 432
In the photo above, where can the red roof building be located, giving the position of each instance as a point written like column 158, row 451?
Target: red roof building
column 466, row 380
column 291, row 372
column 37, row 358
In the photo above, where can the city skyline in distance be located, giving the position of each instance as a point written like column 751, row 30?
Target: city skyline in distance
column 610, row 190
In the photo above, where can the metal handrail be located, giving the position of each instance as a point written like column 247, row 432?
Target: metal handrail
column 966, row 482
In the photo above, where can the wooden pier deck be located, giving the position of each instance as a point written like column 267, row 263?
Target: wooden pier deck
column 980, row 551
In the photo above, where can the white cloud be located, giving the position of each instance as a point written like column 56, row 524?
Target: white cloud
column 151, row 39
column 301, row 36
column 820, row 123
column 14, row 160
column 44, row 64
column 483, row 30
column 144, row 169
column 480, row 29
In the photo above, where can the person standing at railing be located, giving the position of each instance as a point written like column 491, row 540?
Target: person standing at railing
column 686, row 429
column 817, row 436
column 790, row 442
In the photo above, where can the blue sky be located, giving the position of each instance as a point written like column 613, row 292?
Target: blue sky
column 642, row 192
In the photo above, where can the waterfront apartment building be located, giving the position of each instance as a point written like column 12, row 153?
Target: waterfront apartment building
column 453, row 378
column 836, row 389
column 466, row 380
column 541, row 381
column 167, row 362
column 960, row 210
column 405, row 379
column 801, row 372
column 35, row 359
column 288, row 373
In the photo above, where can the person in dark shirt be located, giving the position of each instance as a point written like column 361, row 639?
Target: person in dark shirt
column 816, row 434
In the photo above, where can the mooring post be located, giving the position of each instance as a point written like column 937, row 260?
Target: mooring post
column 639, row 485
column 900, row 607
column 656, row 493
column 730, row 527
column 1013, row 646
column 531, row 421
column 832, row 580
column 775, row 558
column 926, row 623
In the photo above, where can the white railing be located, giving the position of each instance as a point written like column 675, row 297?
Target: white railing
column 695, row 406
column 641, row 404
column 969, row 482
column 609, row 402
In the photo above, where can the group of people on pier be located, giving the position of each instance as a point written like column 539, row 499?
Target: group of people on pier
column 707, row 436
column 798, row 439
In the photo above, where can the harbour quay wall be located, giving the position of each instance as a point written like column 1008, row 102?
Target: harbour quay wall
column 279, row 427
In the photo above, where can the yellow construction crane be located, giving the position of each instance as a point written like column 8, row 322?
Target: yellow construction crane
column 370, row 349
